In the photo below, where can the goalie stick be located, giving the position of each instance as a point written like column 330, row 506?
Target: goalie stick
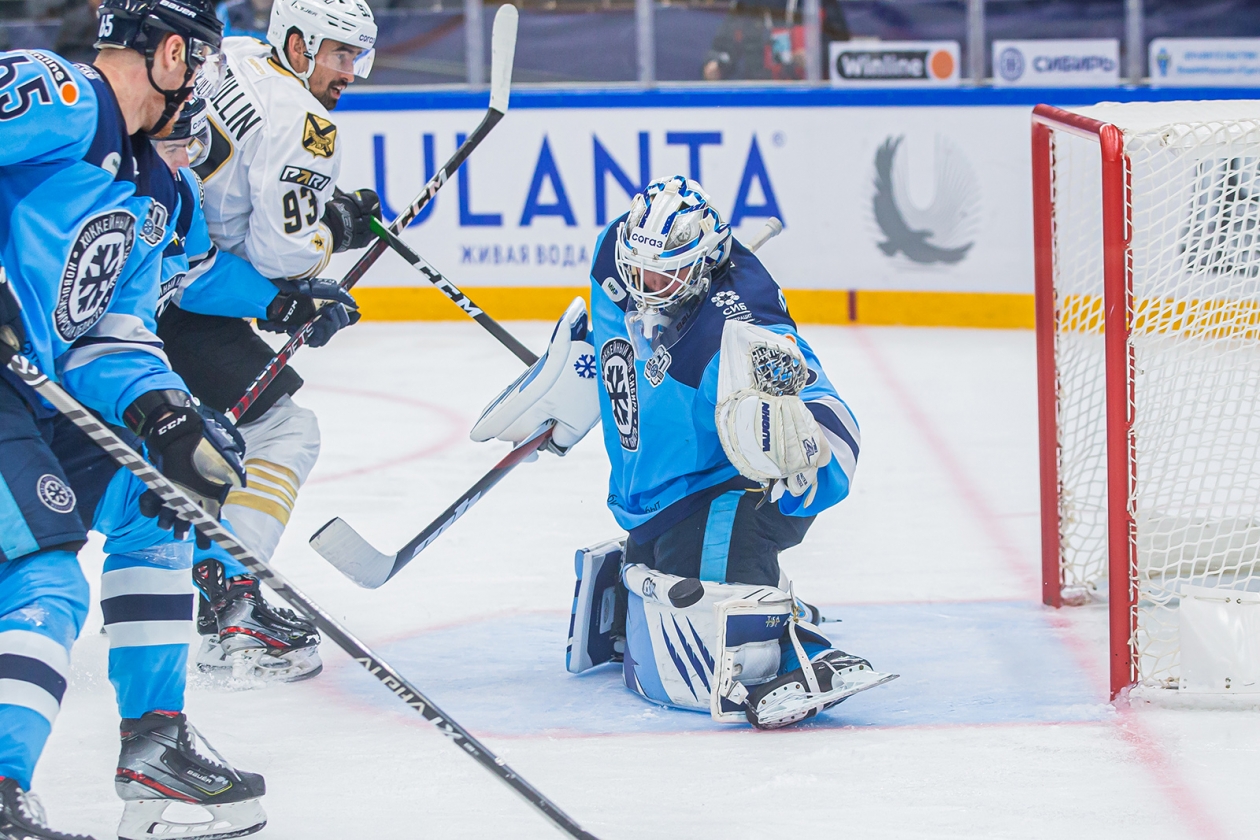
column 173, row 497
column 449, row 289
column 356, row 558
column 502, row 55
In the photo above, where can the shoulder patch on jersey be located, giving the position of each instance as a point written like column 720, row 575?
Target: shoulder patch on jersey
column 87, row 282
column 305, row 177
column 154, row 227
column 54, row 494
column 612, row 288
column 616, row 364
column 654, row 368
column 67, row 88
column 319, row 136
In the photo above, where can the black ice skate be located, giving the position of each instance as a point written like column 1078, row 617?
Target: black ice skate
column 246, row 637
column 172, row 788
column 22, row 816
column 795, row 697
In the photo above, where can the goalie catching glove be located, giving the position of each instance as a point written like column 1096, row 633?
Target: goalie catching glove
column 560, row 387
column 766, row 430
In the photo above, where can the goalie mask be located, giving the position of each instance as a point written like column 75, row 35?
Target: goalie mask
column 667, row 250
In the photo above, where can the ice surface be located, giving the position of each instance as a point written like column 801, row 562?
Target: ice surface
column 998, row 727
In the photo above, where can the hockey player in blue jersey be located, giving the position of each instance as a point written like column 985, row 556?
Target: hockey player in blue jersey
column 725, row 438
column 86, row 212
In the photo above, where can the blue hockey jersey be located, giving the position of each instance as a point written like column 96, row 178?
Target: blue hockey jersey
column 198, row 277
column 658, row 415
column 86, row 212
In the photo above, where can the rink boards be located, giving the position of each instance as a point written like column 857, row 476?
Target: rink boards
column 899, row 206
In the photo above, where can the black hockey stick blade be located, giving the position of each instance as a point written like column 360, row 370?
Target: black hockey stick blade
column 355, row 557
column 502, row 56
column 452, row 292
column 173, row 497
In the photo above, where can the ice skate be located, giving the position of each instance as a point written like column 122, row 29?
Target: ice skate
column 246, row 637
column 22, row 816
column 791, row 698
column 175, row 785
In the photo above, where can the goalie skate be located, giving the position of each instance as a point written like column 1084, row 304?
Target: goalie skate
column 791, row 699
column 171, row 788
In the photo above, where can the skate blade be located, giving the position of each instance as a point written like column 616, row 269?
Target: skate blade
column 163, row 819
column 258, row 664
column 791, row 706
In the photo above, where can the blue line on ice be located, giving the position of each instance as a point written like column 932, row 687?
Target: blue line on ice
column 960, row 663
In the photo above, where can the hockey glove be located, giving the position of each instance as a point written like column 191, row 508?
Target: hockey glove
column 197, row 448
column 297, row 303
column 774, row 440
column 348, row 215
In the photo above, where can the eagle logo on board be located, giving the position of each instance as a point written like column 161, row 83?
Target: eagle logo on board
column 319, row 136
column 87, row 282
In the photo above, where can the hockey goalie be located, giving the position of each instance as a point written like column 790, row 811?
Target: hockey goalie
column 725, row 439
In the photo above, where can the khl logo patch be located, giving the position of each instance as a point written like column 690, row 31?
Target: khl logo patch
column 655, row 367
column 87, row 282
column 54, row 493
column 616, row 361
column 154, row 228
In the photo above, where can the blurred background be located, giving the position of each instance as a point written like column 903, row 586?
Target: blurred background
column 443, row 42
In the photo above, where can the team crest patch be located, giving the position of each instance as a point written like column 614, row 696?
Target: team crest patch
column 304, row 177
column 154, row 228
column 319, row 136
column 655, row 367
column 91, row 272
column 616, row 364
column 54, row 494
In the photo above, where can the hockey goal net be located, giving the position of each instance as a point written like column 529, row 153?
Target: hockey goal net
column 1147, row 236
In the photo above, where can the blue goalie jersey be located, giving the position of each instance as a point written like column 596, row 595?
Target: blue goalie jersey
column 86, row 212
column 658, row 414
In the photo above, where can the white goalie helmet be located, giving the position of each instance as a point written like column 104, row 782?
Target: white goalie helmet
column 667, row 248
column 347, row 21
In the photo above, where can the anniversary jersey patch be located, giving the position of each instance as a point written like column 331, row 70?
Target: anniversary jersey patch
column 91, row 272
column 319, row 136
column 304, row 177
column 616, row 364
column 154, row 228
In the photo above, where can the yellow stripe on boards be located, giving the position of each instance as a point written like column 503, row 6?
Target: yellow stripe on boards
column 808, row 306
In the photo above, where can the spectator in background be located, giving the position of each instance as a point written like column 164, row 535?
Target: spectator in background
column 765, row 39
column 76, row 37
column 245, row 17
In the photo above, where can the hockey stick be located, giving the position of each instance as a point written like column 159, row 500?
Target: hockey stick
column 354, row 557
column 502, row 54
column 173, row 497
column 448, row 288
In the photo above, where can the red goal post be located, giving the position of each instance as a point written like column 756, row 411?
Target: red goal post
column 1147, row 292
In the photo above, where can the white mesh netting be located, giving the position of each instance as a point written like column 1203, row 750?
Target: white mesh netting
column 1195, row 335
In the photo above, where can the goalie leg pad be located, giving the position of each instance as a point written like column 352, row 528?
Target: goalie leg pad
column 598, row 598
column 675, row 637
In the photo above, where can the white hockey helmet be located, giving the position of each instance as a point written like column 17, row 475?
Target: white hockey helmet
column 674, row 233
column 347, row 21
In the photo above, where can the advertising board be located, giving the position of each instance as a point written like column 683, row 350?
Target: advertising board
column 894, row 63
column 1221, row 62
column 1058, row 63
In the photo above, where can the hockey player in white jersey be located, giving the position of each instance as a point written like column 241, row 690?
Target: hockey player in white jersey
column 725, row 438
column 269, row 181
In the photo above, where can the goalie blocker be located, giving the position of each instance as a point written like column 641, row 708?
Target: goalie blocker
column 734, row 650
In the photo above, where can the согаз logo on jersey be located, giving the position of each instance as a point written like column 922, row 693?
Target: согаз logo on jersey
column 944, row 231
column 87, row 282
column 616, row 362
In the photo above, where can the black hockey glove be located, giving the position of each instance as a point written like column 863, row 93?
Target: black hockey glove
column 296, row 304
column 347, row 216
column 196, row 447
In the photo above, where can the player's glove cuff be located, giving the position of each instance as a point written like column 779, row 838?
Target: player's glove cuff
column 348, row 217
